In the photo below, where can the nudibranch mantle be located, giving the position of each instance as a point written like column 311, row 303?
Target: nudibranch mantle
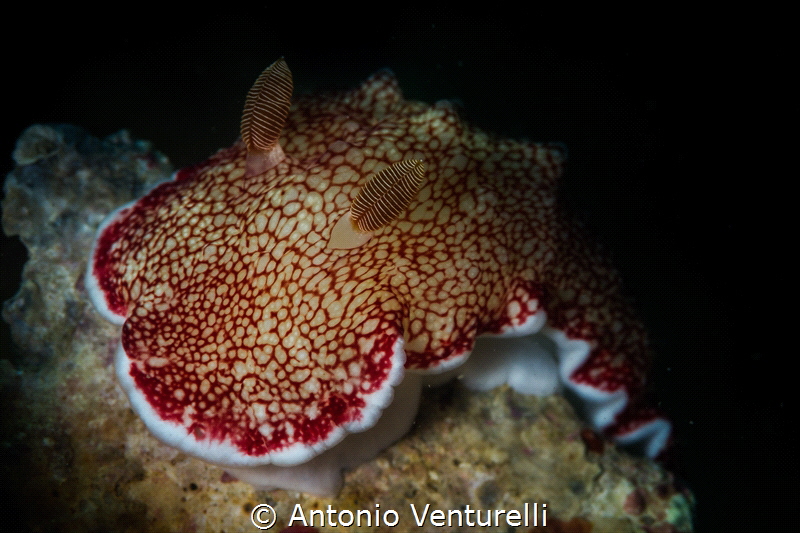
column 249, row 342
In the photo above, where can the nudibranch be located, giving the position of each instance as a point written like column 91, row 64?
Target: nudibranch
column 283, row 303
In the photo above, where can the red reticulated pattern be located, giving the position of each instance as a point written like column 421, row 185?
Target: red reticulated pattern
column 241, row 325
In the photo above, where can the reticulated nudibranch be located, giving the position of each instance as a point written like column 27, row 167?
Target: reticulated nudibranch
column 283, row 302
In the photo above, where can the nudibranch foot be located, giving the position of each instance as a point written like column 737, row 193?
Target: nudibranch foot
column 542, row 363
column 526, row 363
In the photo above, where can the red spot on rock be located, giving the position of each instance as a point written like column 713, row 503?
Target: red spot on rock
column 593, row 441
column 635, row 503
column 573, row 525
column 227, row 478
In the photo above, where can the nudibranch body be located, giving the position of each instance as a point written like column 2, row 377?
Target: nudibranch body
column 253, row 338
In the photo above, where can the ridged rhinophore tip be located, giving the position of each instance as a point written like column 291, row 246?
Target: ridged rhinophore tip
column 386, row 195
column 382, row 199
column 264, row 115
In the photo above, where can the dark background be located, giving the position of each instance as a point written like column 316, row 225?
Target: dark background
column 677, row 141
